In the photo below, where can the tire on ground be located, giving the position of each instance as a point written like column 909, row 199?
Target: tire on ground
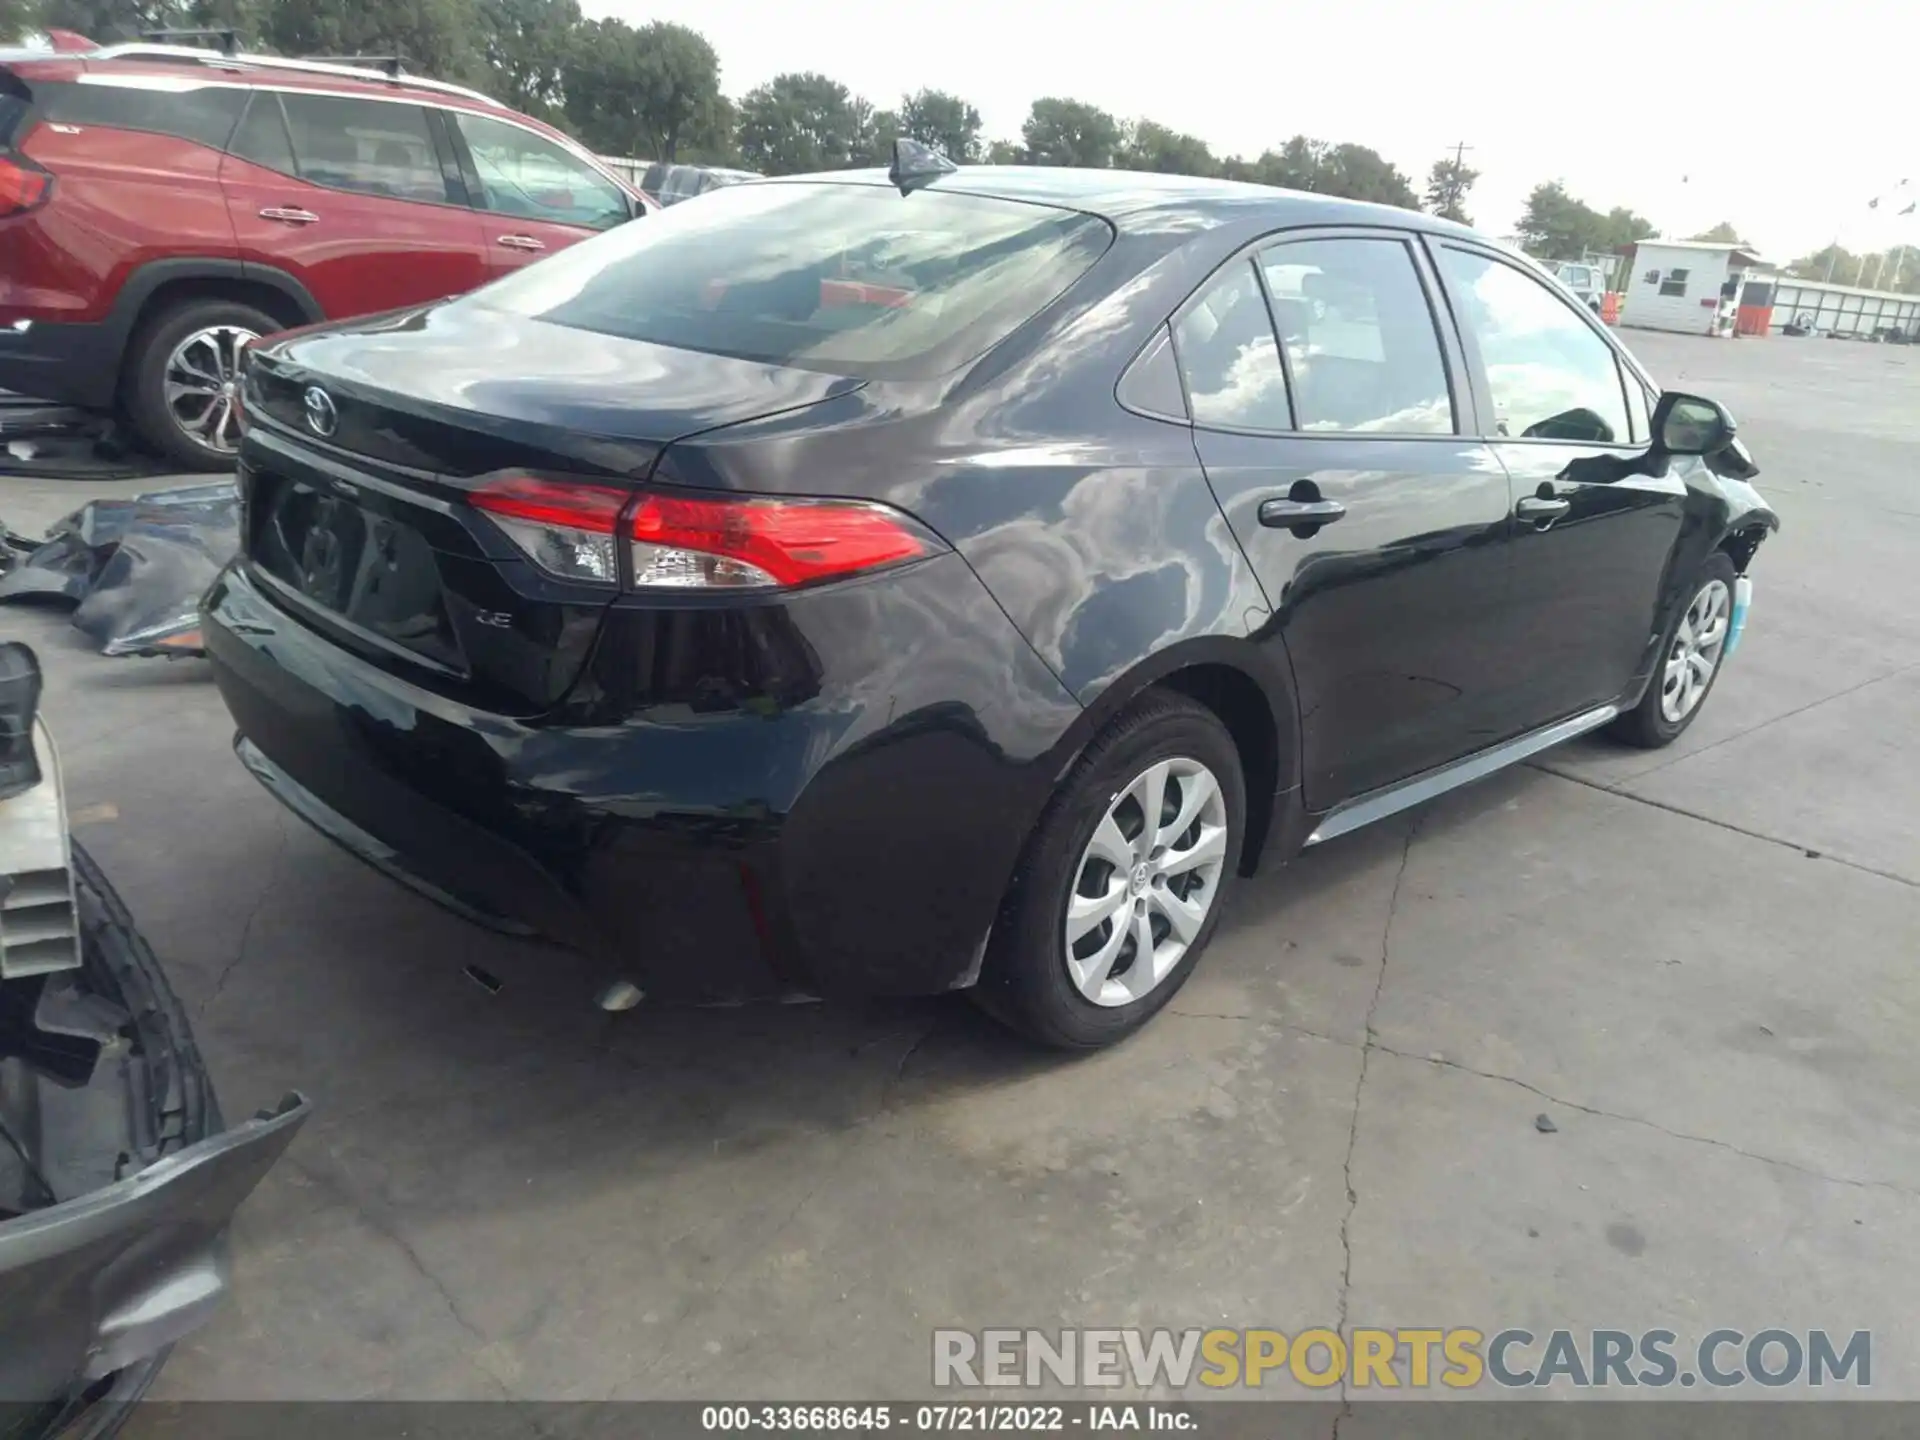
column 1645, row 726
column 1024, row 981
column 144, row 374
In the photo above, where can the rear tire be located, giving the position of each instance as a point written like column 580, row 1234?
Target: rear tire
column 1678, row 690
column 180, row 358
column 1080, row 992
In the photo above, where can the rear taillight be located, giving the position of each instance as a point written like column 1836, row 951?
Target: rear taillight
column 682, row 542
column 24, row 185
column 567, row 530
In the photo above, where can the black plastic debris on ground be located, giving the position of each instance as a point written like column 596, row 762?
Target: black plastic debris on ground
column 133, row 569
column 42, row 441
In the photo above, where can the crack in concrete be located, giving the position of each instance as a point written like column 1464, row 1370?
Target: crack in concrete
column 1641, row 1120
column 276, row 872
column 1727, row 825
column 1370, row 1043
column 339, row 1189
column 900, row 1067
column 1894, row 674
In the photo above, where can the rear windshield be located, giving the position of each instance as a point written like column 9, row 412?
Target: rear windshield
column 849, row 278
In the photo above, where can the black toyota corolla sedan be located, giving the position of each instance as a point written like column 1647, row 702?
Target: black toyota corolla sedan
column 933, row 580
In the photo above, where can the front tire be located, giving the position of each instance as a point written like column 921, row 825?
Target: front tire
column 182, row 380
column 1109, row 913
column 1691, row 650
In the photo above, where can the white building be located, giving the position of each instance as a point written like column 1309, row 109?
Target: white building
column 1686, row 285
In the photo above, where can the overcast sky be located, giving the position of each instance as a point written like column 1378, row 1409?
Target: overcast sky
column 1809, row 115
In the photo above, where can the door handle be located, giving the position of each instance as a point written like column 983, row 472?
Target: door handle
column 1541, row 510
column 1281, row 513
column 290, row 214
column 521, row 242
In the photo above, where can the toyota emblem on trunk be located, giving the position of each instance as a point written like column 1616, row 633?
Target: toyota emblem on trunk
column 322, row 418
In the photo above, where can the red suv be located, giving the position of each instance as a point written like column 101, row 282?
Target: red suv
column 161, row 206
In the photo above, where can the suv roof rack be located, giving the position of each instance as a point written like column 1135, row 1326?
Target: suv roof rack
column 229, row 38
column 237, row 59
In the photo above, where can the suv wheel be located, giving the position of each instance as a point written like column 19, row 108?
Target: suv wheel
column 183, row 377
column 1124, row 881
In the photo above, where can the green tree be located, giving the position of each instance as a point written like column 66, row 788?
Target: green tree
column 1358, row 173
column 651, row 93
column 1151, row 146
column 1829, row 262
column 934, row 117
column 882, row 130
column 800, row 122
column 110, row 20
column 1005, row 152
column 433, row 37
column 526, row 46
column 1723, row 234
column 1897, row 269
column 1555, row 226
column 1447, row 186
column 17, row 17
column 1070, row 132
column 1353, row 172
column 1620, row 226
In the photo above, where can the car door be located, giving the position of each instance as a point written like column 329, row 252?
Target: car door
column 534, row 195
column 352, row 198
column 1594, row 532
column 1343, row 460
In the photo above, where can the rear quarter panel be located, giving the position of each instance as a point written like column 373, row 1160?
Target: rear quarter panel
column 122, row 198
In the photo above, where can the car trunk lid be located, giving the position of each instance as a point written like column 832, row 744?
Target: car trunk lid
column 357, row 489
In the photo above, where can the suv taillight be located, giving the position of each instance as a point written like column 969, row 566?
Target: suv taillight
column 684, row 542
column 24, row 185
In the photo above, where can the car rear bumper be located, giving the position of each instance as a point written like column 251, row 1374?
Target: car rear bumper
column 857, row 841
column 66, row 363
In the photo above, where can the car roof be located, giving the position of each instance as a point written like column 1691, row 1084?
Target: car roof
column 1140, row 198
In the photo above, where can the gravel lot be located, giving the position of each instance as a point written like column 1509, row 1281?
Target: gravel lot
column 1700, row 963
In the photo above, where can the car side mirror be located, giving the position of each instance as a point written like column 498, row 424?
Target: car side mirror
column 1690, row 425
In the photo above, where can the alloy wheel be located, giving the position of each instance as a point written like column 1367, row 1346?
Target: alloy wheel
column 201, row 386
column 1695, row 652
column 1146, row 882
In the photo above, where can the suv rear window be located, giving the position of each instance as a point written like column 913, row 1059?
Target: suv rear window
column 850, row 278
column 15, row 100
column 202, row 113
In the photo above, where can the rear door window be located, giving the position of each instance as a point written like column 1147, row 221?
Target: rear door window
column 375, row 147
column 529, row 176
column 846, row 277
column 262, row 137
column 204, row 114
column 1228, row 357
column 1359, row 337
